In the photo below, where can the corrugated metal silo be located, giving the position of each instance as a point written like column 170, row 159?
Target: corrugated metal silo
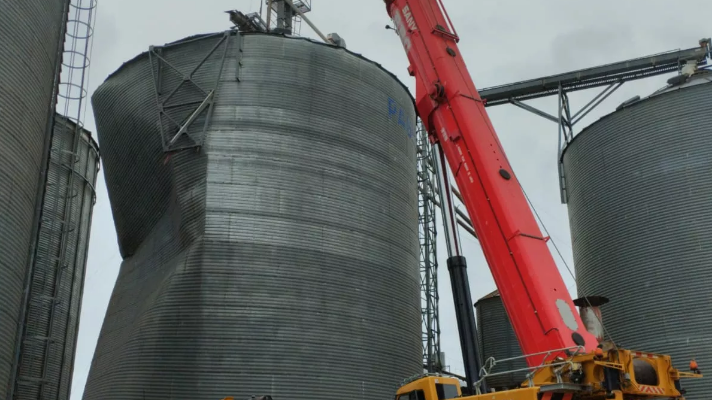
column 30, row 50
column 278, row 252
column 639, row 187
column 496, row 339
column 45, row 366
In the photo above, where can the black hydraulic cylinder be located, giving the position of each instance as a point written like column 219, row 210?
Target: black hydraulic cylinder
column 465, row 315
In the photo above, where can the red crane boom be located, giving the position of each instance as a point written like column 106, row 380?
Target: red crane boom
column 532, row 289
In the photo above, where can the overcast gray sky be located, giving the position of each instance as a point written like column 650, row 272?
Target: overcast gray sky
column 502, row 41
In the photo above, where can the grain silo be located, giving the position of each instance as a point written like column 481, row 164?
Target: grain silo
column 272, row 247
column 56, row 287
column 496, row 339
column 639, row 184
column 30, row 55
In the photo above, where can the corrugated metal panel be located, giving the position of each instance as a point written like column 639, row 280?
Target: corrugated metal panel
column 282, row 257
column 640, row 184
column 496, row 339
column 47, row 351
column 31, row 33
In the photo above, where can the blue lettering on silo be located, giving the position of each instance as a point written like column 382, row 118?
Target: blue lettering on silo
column 397, row 112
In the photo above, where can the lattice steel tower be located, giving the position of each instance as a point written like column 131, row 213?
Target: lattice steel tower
column 428, row 254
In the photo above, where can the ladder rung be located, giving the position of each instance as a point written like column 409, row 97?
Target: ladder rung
column 42, row 297
column 40, row 338
column 25, row 380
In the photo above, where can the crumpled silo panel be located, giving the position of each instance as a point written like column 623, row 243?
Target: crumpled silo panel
column 281, row 256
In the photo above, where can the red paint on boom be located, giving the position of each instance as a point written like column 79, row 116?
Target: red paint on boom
column 532, row 289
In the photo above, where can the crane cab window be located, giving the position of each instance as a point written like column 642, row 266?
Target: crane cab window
column 445, row 391
column 414, row 395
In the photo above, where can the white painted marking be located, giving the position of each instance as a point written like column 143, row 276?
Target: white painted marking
column 567, row 314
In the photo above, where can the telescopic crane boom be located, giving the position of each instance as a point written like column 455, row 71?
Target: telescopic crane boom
column 564, row 357
column 532, row 289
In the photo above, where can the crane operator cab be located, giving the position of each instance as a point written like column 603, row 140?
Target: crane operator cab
column 436, row 387
column 430, row 388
